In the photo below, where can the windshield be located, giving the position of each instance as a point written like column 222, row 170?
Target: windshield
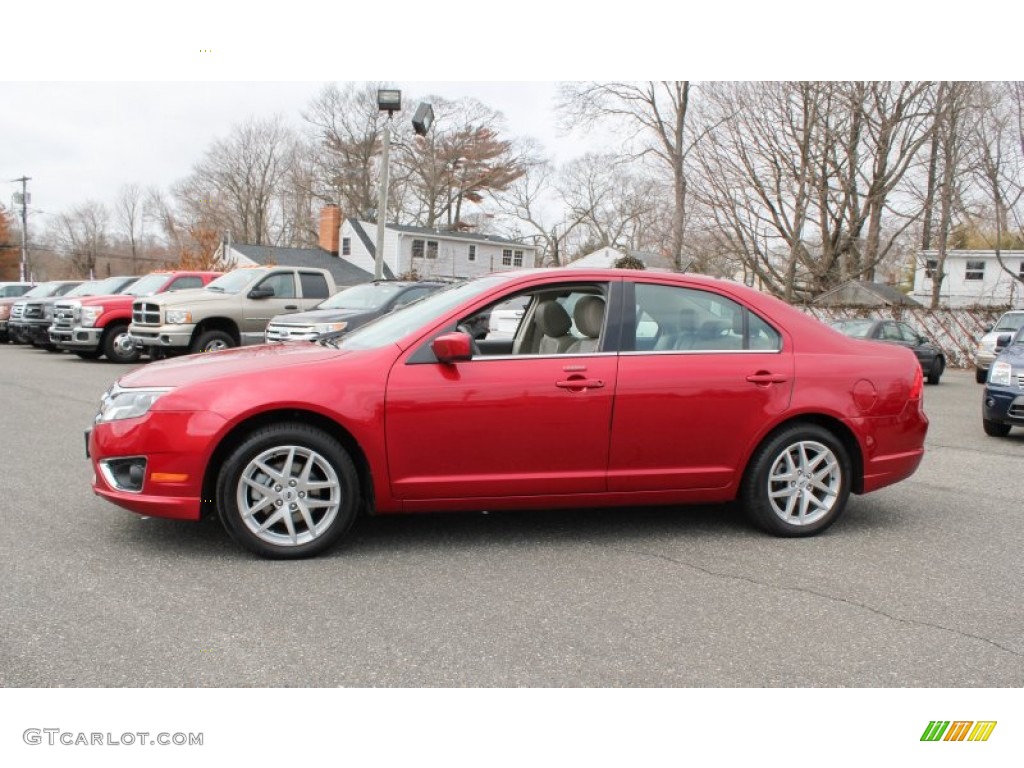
column 109, row 286
column 46, row 289
column 146, row 286
column 1012, row 322
column 85, row 289
column 366, row 296
column 859, row 329
column 390, row 328
column 234, row 282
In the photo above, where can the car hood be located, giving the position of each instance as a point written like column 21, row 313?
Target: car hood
column 188, row 296
column 320, row 316
column 1013, row 354
column 207, row 366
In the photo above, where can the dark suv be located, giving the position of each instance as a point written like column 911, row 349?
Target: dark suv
column 1003, row 403
column 348, row 309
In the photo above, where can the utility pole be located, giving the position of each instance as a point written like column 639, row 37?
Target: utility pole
column 382, row 204
column 23, row 270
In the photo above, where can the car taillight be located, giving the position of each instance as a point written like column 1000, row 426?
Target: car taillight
column 917, row 388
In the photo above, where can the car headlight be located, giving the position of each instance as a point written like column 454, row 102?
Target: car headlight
column 1000, row 374
column 329, row 327
column 179, row 316
column 987, row 346
column 118, row 403
column 90, row 315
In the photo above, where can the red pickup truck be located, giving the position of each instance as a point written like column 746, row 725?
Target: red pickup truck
column 95, row 326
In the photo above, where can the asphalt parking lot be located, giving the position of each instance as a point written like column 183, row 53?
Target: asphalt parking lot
column 917, row 586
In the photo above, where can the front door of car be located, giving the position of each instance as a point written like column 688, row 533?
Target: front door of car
column 258, row 311
column 687, row 412
column 516, row 425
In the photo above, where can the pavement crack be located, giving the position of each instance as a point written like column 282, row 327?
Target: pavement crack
column 823, row 595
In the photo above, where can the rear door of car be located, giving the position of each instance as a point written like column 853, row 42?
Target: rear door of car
column 687, row 412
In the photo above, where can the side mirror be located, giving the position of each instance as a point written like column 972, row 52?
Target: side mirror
column 1003, row 340
column 452, row 347
column 261, row 293
column 988, row 329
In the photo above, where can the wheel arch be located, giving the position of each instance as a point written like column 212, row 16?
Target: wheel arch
column 225, row 324
column 842, row 433
column 239, row 432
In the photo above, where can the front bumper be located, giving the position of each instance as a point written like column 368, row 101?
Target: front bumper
column 1003, row 405
column 166, row 336
column 983, row 360
column 76, row 338
column 34, row 333
column 176, row 447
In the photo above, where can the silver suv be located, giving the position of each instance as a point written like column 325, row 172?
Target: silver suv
column 985, row 354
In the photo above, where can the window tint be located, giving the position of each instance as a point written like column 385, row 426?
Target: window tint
column 184, row 283
column 283, row 284
column 687, row 319
column 314, row 286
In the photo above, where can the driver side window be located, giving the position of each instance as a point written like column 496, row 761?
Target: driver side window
column 283, row 284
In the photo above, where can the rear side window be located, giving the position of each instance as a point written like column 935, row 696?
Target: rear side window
column 314, row 286
column 184, row 283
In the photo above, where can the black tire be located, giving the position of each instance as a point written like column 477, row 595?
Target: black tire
column 980, row 376
column 249, row 498
column 90, row 355
column 936, row 372
column 117, row 345
column 785, row 499
column 212, row 341
column 995, row 429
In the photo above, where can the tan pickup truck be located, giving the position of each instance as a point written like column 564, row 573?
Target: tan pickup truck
column 231, row 311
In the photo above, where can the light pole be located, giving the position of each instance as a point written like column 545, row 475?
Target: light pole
column 390, row 101
column 23, row 269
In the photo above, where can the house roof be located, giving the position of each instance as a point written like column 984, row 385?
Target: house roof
column 862, row 293
column 343, row 272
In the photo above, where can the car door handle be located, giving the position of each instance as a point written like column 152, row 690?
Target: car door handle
column 764, row 378
column 579, row 383
column 291, row 306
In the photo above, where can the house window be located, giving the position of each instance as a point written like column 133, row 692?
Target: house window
column 417, row 249
column 346, row 246
column 431, row 249
column 472, row 255
column 506, row 257
column 930, row 265
column 517, row 259
column 975, row 270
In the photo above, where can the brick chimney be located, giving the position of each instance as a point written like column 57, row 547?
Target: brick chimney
column 330, row 228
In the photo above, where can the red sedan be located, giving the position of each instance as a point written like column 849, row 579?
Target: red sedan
column 617, row 388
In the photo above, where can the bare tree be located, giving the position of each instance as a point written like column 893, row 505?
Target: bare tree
column 129, row 212
column 238, row 185
column 81, row 236
column 655, row 117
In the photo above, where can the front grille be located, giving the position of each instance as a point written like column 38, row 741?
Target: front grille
column 33, row 312
column 1020, row 380
column 1016, row 409
column 144, row 313
column 286, row 332
column 64, row 315
column 17, row 312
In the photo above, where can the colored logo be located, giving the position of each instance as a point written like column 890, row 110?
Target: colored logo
column 958, row 730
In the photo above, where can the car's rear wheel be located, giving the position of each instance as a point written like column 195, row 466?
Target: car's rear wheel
column 980, row 375
column 288, row 491
column 995, row 429
column 212, row 341
column 936, row 372
column 798, row 481
column 89, row 354
column 118, row 345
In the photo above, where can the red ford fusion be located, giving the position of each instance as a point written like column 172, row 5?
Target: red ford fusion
column 616, row 388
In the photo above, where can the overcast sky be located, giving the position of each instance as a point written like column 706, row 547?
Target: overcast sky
column 100, row 94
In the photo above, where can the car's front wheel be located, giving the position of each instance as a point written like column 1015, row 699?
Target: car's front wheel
column 212, row 341
column 798, row 481
column 980, row 375
column 288, row 491
column 936, row 372
column 118, row 345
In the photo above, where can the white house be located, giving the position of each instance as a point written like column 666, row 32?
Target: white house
column 607, row 256
column 973, row 278
column 431, row 253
